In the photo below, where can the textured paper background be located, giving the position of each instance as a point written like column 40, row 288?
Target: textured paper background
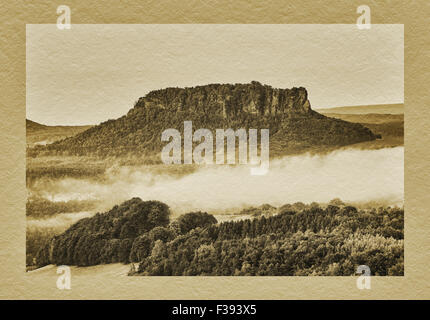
column 14, row 281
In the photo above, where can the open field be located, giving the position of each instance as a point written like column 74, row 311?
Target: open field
column 378, row 108
column 83, row 275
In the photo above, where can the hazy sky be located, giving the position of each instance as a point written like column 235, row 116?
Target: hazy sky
column 93, row 73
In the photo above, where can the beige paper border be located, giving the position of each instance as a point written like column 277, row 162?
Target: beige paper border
column 15, row 284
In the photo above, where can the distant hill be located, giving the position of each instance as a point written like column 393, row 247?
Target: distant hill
column 389, row 126
column 33, row 126
column 40, row 134
column 294, row 126
column 366, row 118
column 379, row 108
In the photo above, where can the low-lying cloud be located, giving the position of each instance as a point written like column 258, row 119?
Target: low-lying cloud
column 352, row 175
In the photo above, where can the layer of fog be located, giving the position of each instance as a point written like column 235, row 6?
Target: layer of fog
column 351, row 175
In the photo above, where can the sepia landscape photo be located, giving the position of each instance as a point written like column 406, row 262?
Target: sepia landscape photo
column 127, row 173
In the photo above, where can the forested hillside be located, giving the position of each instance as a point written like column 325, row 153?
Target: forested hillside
column 299, row 240
column 294, row 126
column 106, row 237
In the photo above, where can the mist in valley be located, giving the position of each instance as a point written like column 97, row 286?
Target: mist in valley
column 362, row 178
column 351, row 175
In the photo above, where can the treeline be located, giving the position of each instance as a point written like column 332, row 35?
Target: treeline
column 313, row 241
column 76, row 171
column 38, row 207
column 35, row 239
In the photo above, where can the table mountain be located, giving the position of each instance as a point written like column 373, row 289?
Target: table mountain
column 294, row 126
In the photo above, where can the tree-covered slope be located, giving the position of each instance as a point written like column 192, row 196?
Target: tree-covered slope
column 106, row 237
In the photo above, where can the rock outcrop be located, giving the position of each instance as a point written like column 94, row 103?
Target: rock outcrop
column 230, row 100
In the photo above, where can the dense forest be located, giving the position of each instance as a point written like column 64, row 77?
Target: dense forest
column 294, row 126
column 297, row 240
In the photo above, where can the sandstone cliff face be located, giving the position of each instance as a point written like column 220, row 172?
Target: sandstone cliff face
column 230, row 100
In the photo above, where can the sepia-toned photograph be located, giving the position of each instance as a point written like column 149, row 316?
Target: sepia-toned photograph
column 215, row 150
